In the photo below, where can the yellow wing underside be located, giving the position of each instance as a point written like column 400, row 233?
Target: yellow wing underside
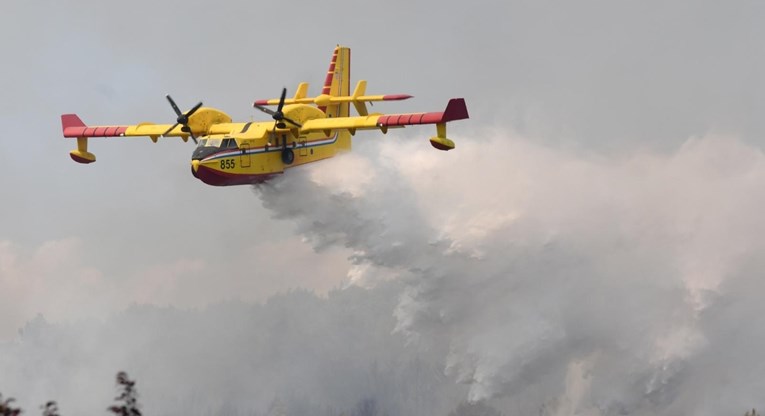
column 232, row 129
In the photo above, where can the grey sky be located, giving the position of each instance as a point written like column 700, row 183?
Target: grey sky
column 599, row 79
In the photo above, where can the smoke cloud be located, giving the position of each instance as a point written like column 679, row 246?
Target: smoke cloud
column 584, row 283
column 513, row 274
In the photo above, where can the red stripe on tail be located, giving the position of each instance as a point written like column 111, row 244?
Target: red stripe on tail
column 331, row 72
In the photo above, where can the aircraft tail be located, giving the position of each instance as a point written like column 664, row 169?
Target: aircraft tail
column 338, row 84
column 338, row 81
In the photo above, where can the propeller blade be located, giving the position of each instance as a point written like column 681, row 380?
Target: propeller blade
column 281, row 100
column 193, row 110
column 187, row 129
column 264, row 109
column 183, row 119
column 170, row 129
column 172, row 104
column 278, row 115
column 291, row 121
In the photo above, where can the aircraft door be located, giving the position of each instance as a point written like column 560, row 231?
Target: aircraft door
column 244, row 156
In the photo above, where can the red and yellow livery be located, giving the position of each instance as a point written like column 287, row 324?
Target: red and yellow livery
column 304, row 130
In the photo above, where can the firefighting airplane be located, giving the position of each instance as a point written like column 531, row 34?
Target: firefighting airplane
column 304, row 130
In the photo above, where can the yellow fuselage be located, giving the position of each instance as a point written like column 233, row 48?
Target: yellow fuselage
column 253, row 161
column 303, row 130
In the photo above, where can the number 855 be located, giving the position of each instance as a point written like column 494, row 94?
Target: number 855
column 227, row 164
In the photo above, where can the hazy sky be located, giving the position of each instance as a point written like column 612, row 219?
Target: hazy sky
column 596, row 80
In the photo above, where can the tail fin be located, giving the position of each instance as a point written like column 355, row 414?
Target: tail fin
column 338, row 81
column 338, row 84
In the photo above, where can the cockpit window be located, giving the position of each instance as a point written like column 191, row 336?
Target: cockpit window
column 228, row 143
column 213, row 142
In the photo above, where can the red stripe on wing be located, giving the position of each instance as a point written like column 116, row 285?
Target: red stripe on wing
column 112, row 131
column 455, row 110
column 72, row 126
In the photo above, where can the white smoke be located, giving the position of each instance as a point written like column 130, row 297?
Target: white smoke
column 297, row 354
column 534, row 277
column 582, row 283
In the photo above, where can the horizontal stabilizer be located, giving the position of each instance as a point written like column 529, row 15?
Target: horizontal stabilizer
column 323, row 100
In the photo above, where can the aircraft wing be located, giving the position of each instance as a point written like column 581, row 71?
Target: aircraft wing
column 204, row 121
column 455, row 110
column 74, row 127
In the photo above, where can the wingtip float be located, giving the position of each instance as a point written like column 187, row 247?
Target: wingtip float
column 304, row 129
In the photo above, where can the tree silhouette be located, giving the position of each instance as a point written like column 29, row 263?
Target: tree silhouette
column 6, row 409
column 127, row 401
column 50, row 409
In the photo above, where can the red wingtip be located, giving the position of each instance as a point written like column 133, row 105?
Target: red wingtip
column 71, row 125
column 456, row 110
column 71, row 120
column 261, row 102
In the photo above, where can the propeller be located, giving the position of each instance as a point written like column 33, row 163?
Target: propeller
column 183, row 119
column 278, row 115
